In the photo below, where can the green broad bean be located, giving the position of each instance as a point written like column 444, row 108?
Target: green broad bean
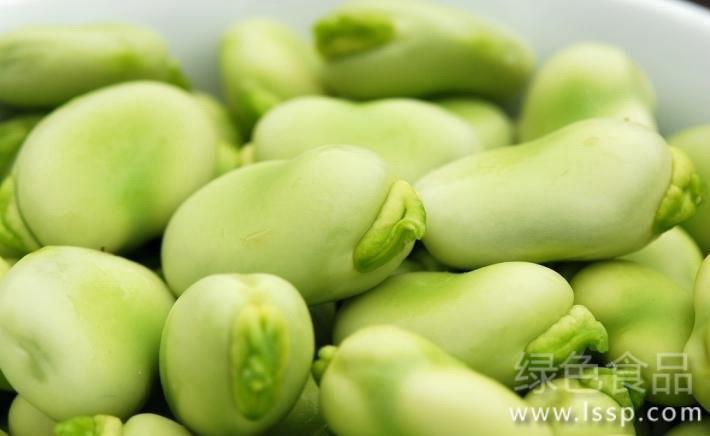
column 107, row 170
column 493, row 126
column 489, row 318
column 647, row 316
column 13, row 132
column 262, row 64
column 397, row 48
column 24, row 419
column 594, row 411
column 145, row 424
column 305, row 418
column 696, row 143
column 73, row 323
column 235, row 353
column 43, row 67
column 333, row 221
column 701, row 428
column 698, row 347
column 412, row 136
column 384, row 381
column 674, row 254
column 582, row 81
column 592, row 190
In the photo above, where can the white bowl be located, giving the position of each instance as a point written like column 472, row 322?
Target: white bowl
column 669, row 38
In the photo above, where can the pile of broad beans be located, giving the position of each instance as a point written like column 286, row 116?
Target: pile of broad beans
column 403, row 226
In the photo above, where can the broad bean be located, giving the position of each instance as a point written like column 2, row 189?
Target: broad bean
column 674, row 254
column 649, row 319
column 107, row 170
column 24, row 419
column 413, row 137
column 263, row 63
column 586, row 80
column 490, row 318
column 696, row 143
column 592, row 190
column 43, row 67
column 73, row 323
column 384, row 381
column 698, row 347
column 235, row 353
column 333, row 221
column 399, row 48
column 594, row 409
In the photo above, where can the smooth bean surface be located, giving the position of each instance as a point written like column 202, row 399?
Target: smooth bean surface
column 592, row 190
column 649, row 319
column 255, row 342
column 45, row 66
column 383, row 380
column 73, row 323
column 582, row 81
column 488, row 318
column 399, row 48
column 333, row 221
column 696, row 143
column 263, row 63
column 413, row 137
